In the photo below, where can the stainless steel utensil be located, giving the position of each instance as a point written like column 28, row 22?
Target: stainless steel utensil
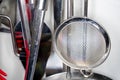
column 69, row 15
column 25, row 31
column 36, row 30
column 44, row 52
column 58, row 11
column 87, row 50
column 25, row 22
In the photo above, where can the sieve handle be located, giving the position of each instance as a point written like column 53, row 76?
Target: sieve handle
column 69, row 8
column 85, row 8
column 69, row 15
column 85, row 12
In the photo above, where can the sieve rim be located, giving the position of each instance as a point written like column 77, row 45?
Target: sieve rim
column 89, row 21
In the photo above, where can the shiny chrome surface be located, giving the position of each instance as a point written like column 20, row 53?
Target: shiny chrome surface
column 70, row 9
column 45, row 51
column 85, row 8
column 25, row 22
column 41, row 4
column 95, row 25
column 32, row 3
column 36, row 31
column 58, row 11
column 70, row 12
column 76, row 76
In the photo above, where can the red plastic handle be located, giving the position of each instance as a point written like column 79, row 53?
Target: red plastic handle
column 2, row 75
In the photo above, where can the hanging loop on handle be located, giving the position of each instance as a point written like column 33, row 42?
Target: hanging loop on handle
column 12, row 33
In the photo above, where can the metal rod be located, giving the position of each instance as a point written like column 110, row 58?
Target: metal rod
column 36, row 31
column 58, row 12
column 32, row 3
column 85, row 32
column 25, row 32
column 85, row 8
column 69, row 8
column 62, row 16
column 69, row 15
column 12, row 33
column 32, row 6
column 25, row 22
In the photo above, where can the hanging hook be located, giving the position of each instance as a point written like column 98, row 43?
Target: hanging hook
column 12, row 32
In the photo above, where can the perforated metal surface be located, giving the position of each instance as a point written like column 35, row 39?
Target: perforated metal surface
column 89, row 43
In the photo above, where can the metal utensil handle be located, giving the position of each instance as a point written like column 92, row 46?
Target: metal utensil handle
column 25, row 31
column 85, row 8
column 32, row 3
column 36, row 31
column 25, row 22
column 12, row 33
column 85, row 14
column 69, row 15
column 58, row 12
column 70, row 10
